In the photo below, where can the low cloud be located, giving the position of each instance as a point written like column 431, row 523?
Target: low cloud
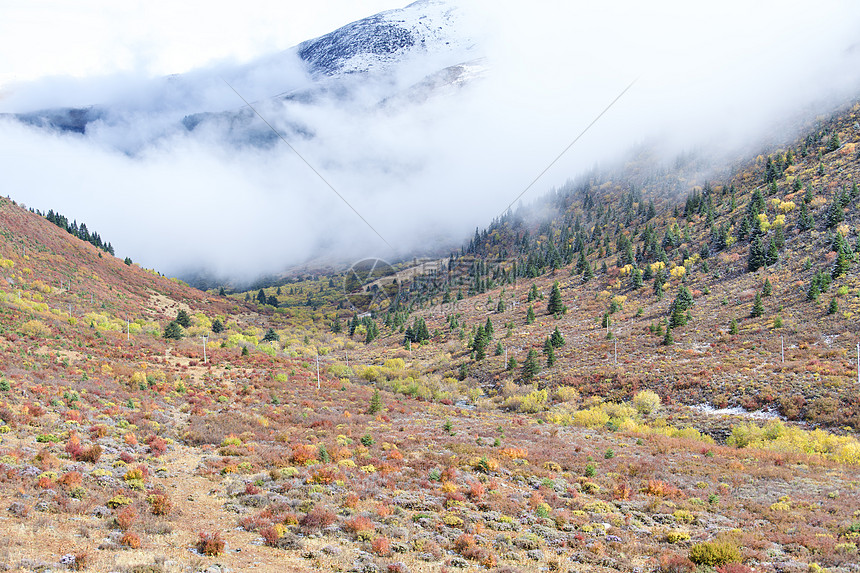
column 422, row 171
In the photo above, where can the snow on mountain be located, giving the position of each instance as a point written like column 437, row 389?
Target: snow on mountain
column 426, row 26
column 407, row 55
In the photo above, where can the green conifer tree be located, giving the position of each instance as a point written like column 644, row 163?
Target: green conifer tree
column 530, row 366
column 555, row 304
column 758, row 307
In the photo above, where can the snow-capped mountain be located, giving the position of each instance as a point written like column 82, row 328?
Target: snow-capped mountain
column 398, row 57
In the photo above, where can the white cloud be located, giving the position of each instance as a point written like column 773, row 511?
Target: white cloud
column 713, row 76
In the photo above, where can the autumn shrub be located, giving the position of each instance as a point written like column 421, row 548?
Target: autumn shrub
column 91, row 454
column 714, row 553
column 157, row 446
column 358, row 526
column 35, row 329
column 317, row 518
column 210, row 544
column 303, row 454
column 159, row 504
column 646, row 401
column 381, row 546
column 736, row 568
column 81, row 562
column 674, row 563
column 70, row 479
column 130, row 540
column 126, row 518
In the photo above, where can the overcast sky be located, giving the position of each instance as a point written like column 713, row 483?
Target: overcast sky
column 710, row 76
column 158, row 37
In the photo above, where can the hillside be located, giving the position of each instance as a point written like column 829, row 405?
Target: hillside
column 312, row 439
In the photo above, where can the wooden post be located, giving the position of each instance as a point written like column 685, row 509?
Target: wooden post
column 616, row 351
column 318, row 371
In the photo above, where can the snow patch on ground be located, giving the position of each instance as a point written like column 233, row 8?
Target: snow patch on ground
column 737, row 411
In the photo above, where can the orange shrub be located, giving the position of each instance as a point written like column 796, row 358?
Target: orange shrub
column 358, row 524
column 381, row 546
column 70, row 479
column 130, row 540
column 303, row 454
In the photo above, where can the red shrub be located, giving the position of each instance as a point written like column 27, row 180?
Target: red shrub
column 210, row 544
column 674, row 563
column 270, row 536
column 317, row 518
column 126, row 518
column 157, row 446
column 734, row 568
column 381, row 546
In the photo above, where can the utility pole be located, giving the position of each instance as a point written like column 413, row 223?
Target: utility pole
column 127, row 330
column 205, row 337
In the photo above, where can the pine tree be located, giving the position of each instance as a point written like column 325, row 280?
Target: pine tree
column 550, row 357
column 588, row 274
column 667, row 339
column 217, row 326
column 488, row 329
column 841, row 265
column 555, row 304
column 834, row 306
column 271, row 336
column 814, row 292
column 375, row 403
column 261, row 297
column 173, row 331
column 556, row 338
column 733, row 326
column 678, row 318
column 499, row 349
column 533, row 293
column 757, row 257
column 772, row 255
column 530, row 315
column 804, row 220
column 547, row 345
column 182, row 319
column 512, row 364
column 222, row 292
column 758, row 307
column 479, row 344
column 835, row 215
column 767, row 289
column 684, row 299
column 530, row 366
